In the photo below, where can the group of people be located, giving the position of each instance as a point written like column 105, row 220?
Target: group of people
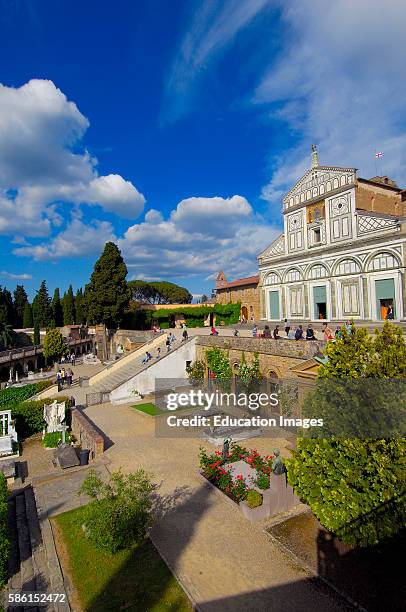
column 69, row 359
column 298, row 333
column 64, row 376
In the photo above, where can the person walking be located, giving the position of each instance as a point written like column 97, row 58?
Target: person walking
column 184, row 335
column 158, row 353
column 254, row 331
column 63, row 376
column 168, row 343
column 287, row 327
column 389, row 314
column 299, row 333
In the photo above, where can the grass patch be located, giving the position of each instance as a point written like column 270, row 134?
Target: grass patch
column 150, row 409
column 136, row 579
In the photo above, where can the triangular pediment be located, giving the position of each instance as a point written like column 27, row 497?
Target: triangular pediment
column 276, row 248
column 317, row 182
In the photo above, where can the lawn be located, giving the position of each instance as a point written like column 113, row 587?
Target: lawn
column 150, row 409
column 136, row 579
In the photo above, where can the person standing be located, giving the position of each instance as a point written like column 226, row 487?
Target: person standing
column 287, row 327
column 63, row 376
column 69, row 376
column 158, row 353
column 254, row 331
column 59, row 379
column 327, row 332
column 168, row 343
column 184, row 334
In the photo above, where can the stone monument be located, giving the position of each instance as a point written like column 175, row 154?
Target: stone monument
column 8, row 434
column 54, row 414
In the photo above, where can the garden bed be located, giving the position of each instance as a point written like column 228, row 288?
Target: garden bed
column 245, row 477
column 134, row 579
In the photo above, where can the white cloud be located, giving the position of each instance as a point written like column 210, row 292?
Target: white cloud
column 77, row 240
column 213, row 27
column 13, row 276
column 339, row 83
column 201, row 236
column 40, row 132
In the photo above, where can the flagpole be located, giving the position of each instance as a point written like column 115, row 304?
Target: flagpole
column 376, row 167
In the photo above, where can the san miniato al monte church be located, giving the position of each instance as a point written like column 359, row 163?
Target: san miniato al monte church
column 342, row 253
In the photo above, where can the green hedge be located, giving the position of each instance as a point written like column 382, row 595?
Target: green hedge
column 15, row 395
column 194, row 317
column 4, row 540
column 355, row 487
column 29, row 415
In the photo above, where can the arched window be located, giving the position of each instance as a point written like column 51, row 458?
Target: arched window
column 272, row 279
column 318, row 271
column 293, row 276
column 347, row 266
column 383, row 261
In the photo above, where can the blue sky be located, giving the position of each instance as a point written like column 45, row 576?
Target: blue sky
column 175, row 127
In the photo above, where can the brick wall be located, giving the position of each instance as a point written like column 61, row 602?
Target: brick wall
column 380, row 200
column 248, row 296
column 86, row 434
column 277, row 356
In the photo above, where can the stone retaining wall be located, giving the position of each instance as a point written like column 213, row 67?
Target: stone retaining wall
column 301, row 349
column 86, row 434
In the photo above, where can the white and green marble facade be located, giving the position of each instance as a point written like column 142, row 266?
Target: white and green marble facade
column 339, row 262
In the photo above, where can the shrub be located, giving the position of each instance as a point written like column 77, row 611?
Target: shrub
column 120, row 514
column 4, row 541
column 263, row 481
column 254, row 499
column 356, row 488
column 52, row 439
column 196, row 372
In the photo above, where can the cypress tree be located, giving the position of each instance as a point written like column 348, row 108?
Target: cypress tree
column 20, row 300
column 57, row 309
column 107, row 294
column 41, row 307
column 68, row 307
column 37, row 337
column 79, row 308
column 27, row 316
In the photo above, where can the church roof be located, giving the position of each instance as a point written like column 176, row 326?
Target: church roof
column 249, row 280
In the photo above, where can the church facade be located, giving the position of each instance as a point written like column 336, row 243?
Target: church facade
column 342, row 254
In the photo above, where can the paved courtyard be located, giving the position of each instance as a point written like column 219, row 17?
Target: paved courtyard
column 224, row 562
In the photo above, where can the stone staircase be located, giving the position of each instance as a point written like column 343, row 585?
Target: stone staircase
column 111, row 378
column 29, row 568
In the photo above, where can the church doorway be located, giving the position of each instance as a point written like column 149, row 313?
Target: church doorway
column 244, row 313
column 320, row 302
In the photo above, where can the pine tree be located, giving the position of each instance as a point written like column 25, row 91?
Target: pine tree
column 68, row 306
column 107, row 296
column 57, row 312
column 20, row 300
column 41, row 307
column 27, row 316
